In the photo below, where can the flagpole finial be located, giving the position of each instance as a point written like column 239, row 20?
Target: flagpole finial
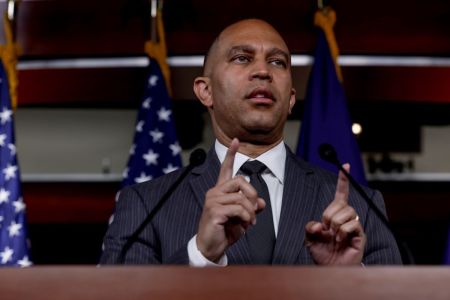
column 153, row 15
column 322, row 5
column 155, row 8
column 11, row 13
column 11, row 10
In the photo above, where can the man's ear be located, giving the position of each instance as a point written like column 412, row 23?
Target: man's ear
column 202, row 90
column 292, row 100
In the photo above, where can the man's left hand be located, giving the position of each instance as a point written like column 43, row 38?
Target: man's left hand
column 339, row 239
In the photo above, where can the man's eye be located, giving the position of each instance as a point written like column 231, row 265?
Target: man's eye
column 241, row 59
column 279, row 62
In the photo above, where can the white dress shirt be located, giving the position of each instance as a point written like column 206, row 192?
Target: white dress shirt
column 275, row 160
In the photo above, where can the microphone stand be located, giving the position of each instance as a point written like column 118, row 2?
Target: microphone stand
column 328, row 153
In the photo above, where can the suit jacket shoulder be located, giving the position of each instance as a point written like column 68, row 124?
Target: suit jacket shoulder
column 164, row 240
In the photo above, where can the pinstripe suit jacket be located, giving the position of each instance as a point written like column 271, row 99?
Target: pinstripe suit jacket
column 307, row 192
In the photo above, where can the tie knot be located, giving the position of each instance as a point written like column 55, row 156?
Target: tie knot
column 253, row 167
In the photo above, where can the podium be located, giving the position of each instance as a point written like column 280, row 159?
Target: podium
column 231, row 283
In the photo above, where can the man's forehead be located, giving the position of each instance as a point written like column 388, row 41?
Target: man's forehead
column 253, row 34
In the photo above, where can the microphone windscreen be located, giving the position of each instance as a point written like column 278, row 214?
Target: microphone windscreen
column 197, row 157
column 328, row 153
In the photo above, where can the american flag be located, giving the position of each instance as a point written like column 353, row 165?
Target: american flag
column 155, row 150
column 13, row 236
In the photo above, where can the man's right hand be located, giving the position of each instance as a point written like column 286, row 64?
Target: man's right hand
column 230, row 208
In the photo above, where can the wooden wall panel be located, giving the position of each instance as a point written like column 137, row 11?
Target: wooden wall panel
column 105, row 87
column 69, row 202
column 48, row 29
column 407, row 84
column 62, row 28
column 83, row 27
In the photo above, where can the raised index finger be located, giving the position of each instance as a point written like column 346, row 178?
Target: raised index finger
column 226, row 170
column 342, row 187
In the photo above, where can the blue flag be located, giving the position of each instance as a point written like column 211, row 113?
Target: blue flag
column 326, row 118
column 447, row 250
column 155, row 149
column 13, row 235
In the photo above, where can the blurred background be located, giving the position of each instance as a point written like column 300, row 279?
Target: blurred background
column 82, row 73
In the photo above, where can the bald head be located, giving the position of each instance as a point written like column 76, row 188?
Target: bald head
column 248, row 27
column 247, row 84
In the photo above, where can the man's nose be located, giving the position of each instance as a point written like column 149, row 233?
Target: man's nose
column 261, row 71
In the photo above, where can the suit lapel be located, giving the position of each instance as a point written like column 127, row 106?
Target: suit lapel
column 205, row 177
column 299, row 201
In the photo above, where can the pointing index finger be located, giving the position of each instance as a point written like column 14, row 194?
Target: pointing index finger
column 226, row 170
column 342, row 187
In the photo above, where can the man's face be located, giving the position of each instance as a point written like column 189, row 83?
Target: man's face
column 250, row 83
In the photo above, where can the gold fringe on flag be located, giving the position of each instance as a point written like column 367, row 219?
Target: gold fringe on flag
column 9, row 54
column 325, row 19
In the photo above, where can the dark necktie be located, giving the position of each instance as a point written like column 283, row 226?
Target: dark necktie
column 260, row 237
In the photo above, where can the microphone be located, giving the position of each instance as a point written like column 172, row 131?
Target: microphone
column 328, row 153
column 196, row 158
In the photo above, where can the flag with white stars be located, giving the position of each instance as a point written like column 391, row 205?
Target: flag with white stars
column 155, row 150
column 13, row 236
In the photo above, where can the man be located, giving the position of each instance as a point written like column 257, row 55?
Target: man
column 290, row 213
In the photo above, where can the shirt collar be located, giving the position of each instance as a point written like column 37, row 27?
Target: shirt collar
column 274, row 159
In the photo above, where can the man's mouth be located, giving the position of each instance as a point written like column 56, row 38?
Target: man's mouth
column 261, row 96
